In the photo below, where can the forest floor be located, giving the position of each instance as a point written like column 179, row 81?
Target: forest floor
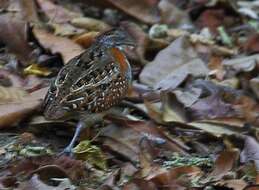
column 189, row 120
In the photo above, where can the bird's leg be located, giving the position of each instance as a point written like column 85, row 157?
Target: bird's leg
column 81, row 125
column 84, row 122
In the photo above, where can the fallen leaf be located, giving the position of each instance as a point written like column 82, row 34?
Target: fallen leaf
column 11, row 95
column 148, row 167
column 172, row 109
column 11, row 113
column 13, row 32
column 125, row 138
column 175, row 63
column 59, row 18
column 251, row 46
column 139, row 184
column 154, row 110
column 36, row 184
column 127, row 171
column 75, row 169
column 252, row 187
column 34, row 151
column 90, row 24
column 254, row 84
column 141, row 40
column 37, row 70
column 171, row 14
column 188, row 96
column 29, row 11
column 225, row 37
column 223, row 164
column 67, row 48
column 90, row 153
column 217, row 130
column 211, row 107
column 242, row 64
column 216, row 101
column 250, row 151
column 57, row 13
column 48, row 167
column 146, row 11
column 177, row 178
column 235, row 184
column 215, row 17
column 66, row 30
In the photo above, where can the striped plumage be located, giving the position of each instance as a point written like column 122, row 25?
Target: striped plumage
column 93, row 81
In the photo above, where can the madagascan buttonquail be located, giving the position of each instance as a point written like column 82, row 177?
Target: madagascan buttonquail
column 91, row 82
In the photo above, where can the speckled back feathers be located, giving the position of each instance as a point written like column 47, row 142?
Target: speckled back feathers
column 93, row 81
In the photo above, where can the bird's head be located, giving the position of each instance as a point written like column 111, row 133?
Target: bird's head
column 117, row 37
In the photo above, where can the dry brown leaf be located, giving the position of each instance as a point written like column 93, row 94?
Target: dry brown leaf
column 211, row 107
column 235, row 184
column 35, row 69
column 254, row 84
column 173, row 110
column 172, row 65
column 139, row 184
column 251, row 45
column 13, row 33
column 33, row 184
column 60, row 18
column 11, row 95
column 46, row 168
column 57, row 13
column 217, row 130
column 154, row 111
column 146, row 10
column 252, row 187
column 141, row 40
column 90, row 24
column 177, row 178
column 223, row 164
column 148, row 169
column 29, row 10
column 11, row 113
column 125, row 138
column 66, row 47
column 215, row 17
column 241, row 64
column 250, row 151
column 171, row 14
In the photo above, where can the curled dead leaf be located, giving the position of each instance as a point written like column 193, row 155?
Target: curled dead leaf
column 37, row 70
column 90, row 24
column 146, row 10
column 177, row 178
column 175, row 63
column 66, row 47
column 223, row 164
column 57, row 13
column 250, row 151
column 11, row 113
column 13, row 33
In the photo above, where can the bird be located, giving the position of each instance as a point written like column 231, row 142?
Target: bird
column 92, row 82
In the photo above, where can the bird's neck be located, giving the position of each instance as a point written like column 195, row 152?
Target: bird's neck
column 121, row 59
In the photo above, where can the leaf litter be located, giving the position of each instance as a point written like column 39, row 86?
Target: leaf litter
column 190, row 120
